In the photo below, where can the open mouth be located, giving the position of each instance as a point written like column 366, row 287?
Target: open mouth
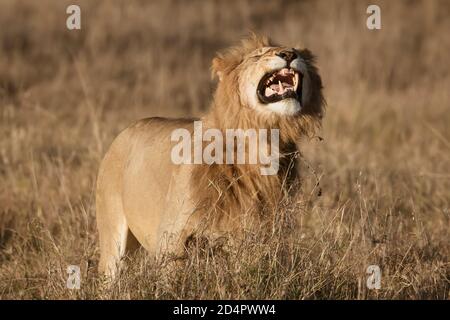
column 279, row 85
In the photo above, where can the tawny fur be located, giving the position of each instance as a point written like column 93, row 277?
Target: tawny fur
column 142, row 196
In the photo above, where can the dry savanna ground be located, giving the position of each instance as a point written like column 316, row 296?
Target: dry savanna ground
column 383, row 164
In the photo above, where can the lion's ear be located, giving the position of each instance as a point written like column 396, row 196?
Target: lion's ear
column 217, row 68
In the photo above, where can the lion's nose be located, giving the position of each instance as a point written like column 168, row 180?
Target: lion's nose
column 287, row 55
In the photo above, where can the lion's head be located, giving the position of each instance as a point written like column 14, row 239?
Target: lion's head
column 271, row 80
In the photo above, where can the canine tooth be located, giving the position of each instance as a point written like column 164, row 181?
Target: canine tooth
column 281, row 86
column 295, row 81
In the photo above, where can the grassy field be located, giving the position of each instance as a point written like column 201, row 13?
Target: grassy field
column 383, row 164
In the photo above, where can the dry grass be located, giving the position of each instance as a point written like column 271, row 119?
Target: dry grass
column 384, row 164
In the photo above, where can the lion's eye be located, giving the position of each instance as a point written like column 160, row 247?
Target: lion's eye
column 255, row 56
column 258, row 54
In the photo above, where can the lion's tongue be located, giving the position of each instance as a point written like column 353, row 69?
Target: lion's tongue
column 278, row 88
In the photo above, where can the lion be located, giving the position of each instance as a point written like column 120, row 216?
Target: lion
column 144, row 199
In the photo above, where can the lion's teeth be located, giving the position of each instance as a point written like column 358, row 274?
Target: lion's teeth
column 269, row 92
column 296, row 81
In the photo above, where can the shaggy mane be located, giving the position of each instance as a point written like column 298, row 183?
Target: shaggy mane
column 236, row 189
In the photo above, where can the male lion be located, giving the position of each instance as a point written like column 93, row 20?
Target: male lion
column 142, row 195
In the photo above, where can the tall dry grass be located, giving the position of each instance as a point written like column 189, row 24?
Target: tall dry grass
column 384, row 164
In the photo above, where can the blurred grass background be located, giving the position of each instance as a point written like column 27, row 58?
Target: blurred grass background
column 384, row 164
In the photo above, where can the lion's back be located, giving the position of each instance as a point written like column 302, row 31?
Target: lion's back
column 138, row 166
